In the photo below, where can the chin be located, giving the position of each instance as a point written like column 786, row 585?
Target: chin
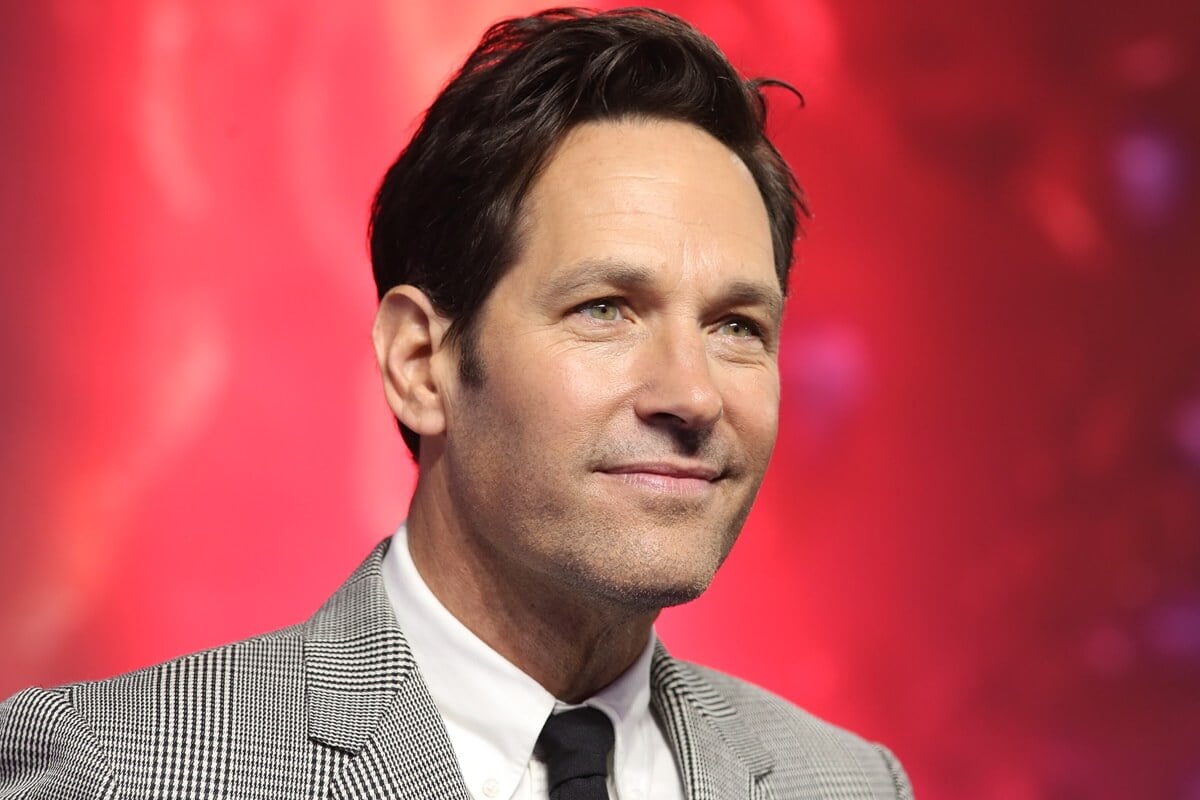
column 634, row 563
column 667, row 596
column 651, row 592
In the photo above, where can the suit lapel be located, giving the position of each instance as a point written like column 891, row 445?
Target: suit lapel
column 718, row 756
column 366, row 700
column 382, row 735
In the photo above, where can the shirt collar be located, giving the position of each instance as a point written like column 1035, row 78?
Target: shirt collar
column 493, row 711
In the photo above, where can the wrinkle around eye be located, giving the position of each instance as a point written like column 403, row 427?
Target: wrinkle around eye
column 757, row 343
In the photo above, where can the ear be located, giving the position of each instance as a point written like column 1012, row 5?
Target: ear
column 408, row 335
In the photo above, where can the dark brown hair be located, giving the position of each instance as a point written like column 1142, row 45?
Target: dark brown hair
column 446, row 216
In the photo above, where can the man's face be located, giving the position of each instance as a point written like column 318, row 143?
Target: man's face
column 630, row 394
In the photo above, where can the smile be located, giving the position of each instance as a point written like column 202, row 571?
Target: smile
column 688, row 480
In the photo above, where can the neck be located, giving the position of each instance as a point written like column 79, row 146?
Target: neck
column 572, row 645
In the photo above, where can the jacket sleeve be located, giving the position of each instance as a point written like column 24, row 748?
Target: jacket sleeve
column 902, row 788
column 48, row 751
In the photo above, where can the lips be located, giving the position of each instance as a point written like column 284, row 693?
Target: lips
column 677, row 470
column 691, row 480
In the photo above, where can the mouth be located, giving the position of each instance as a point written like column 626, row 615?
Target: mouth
column 688, row 479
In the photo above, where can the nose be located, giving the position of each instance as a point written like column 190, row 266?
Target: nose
column 678, row 389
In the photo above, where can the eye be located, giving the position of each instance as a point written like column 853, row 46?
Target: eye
column 741, row 328
column 605, row 310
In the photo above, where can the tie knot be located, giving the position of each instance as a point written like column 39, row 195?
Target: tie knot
column 575, row 744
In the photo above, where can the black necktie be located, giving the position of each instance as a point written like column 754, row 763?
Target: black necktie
column 575, row 746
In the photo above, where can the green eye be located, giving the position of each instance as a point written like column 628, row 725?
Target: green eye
column 603, row 310
column 741, row 328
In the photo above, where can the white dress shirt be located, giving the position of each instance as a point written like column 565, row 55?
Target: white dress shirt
column 494, row 712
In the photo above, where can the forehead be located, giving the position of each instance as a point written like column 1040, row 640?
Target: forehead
column 665, row 195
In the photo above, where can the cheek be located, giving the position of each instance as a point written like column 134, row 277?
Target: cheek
column 752, row 408
column 574, row 390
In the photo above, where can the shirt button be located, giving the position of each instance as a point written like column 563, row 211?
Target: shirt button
column 491, row 787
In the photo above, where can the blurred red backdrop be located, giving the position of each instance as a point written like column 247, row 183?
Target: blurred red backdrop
column 980, row 539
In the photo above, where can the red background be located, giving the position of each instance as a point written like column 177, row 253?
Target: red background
column 980, row 539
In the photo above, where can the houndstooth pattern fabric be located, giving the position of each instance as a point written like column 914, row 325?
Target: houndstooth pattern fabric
column 335, row 708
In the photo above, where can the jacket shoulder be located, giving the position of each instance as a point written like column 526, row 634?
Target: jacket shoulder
column 86, row 739
column 803, row 743
column 47, row 750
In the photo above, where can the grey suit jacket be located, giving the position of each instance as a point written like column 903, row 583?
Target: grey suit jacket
column 336, row 708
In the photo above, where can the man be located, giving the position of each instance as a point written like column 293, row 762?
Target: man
column 581, row 259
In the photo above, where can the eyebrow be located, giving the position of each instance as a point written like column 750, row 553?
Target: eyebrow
column 623, row 274
column 752, row 293
column 592, row 272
